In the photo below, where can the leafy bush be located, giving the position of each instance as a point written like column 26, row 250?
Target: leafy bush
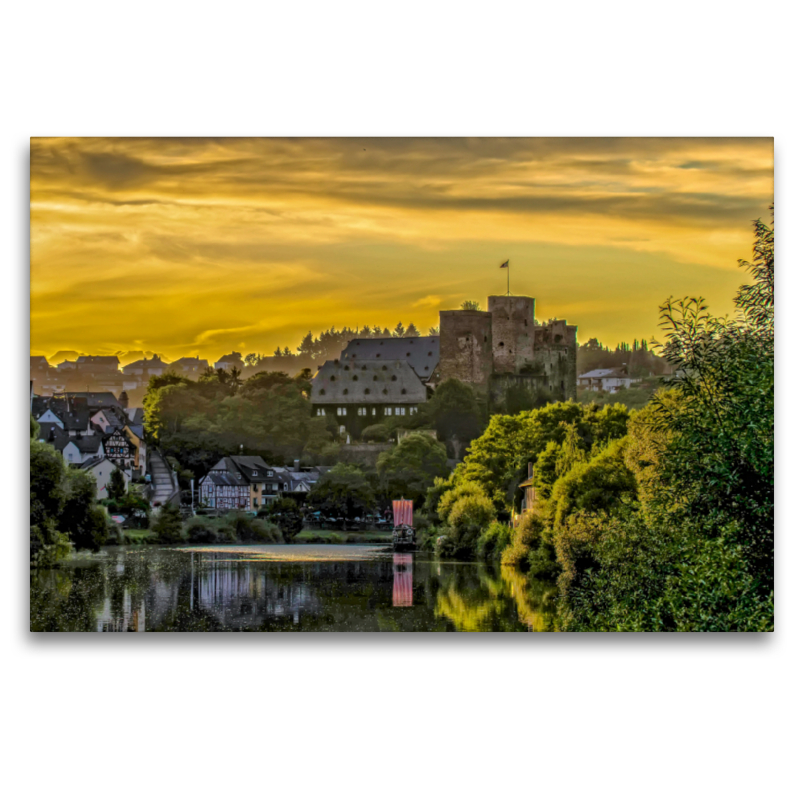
column 286, row 514
column 525, row 539
column 493, row 540
column 168, row 526
column 202, row 530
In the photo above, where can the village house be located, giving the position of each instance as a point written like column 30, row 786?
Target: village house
column 144, row 369
column 101, row 468
column 607, row 380
column 224, row 485
column 82, row 448
column 190, row 367
column 229, row 362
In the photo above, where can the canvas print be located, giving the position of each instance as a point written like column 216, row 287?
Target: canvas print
column 395, row 384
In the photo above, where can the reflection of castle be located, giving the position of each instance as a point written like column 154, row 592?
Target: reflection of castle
column 403, row 580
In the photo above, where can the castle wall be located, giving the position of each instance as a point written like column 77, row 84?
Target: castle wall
column 465, row 346
column 512, row 332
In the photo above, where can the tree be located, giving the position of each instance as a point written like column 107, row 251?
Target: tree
column 470, row 305
column 399, row 331
column 116, row 485
column 411, row 330
column 454, row 412
column 343, row 492
column 168, row 525
column 409, row 469
column 286, row 514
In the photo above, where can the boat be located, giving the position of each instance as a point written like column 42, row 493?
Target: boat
column 404, row 537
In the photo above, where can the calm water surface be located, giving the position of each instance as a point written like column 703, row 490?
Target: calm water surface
column 283, row 588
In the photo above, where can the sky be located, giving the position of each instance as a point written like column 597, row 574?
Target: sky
column 203, row 246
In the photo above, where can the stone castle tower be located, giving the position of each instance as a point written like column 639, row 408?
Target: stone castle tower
column 503, row 347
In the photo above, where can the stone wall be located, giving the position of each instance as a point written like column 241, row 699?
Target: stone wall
column 365, row 454
column 465, row 346
column 512, row 332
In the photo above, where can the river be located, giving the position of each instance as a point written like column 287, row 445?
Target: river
column 283, row 588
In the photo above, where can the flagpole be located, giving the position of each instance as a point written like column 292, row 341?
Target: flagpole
column 508, row 279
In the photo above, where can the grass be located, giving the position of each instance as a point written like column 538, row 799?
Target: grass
column 315, row 536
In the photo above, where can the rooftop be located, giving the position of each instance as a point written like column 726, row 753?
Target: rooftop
column 421, row 352
column 354, row 381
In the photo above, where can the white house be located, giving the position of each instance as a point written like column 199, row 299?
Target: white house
column 102, row 468
column 607, row 380
column 83, row 448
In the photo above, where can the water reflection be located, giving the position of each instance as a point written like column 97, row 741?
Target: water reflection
column 273, row 588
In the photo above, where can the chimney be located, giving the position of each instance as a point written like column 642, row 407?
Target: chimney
column 123, row 400
column 297, row 465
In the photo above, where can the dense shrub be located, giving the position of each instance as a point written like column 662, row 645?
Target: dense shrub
column 526, row 538
column 168, row 526
column 286, row 514
column 493, row 540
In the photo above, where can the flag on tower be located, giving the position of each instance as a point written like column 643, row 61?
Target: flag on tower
column 504, row 265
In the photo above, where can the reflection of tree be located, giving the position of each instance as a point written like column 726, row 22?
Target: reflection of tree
column 66, row 600
column 488, row 601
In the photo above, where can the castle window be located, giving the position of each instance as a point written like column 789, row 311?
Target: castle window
column 346, row 369
column 374, row 377
column 402, row 391
column 408, row 354
column 386, row 391
column 333, row 378
column 366, row 391
column 430, row 354
column 374, row 411
column 363, row 368
column 322, row 391
column 388, row 412
column 355, row 377
column 394, row 377
column 384, row 367
column 501, row 344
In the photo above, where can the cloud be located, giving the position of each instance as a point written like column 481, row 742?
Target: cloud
column 256, row 239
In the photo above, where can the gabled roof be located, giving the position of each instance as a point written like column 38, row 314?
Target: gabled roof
column 226, row 479
column 51, row 434
column 421, row 352
column 356, row 382
column 190, row 361
column 97, row 399
column 146, row 363
column 86, row 444
column 95, row 462
column 39, row 361
column 100, row 361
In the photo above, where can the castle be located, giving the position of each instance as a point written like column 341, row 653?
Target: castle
column 503, row 347
column 494, row 351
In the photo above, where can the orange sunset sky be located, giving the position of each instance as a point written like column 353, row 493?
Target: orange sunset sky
column 203, row 246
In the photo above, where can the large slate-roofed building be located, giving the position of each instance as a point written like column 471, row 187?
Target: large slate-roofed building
column 358, row 393
column 421, row 352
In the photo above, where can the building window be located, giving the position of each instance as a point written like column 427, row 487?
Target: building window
column 362, row 411
column 269, row 471
column 320, row 413
column 412, row 410
column 374, row 412
column 388, row 412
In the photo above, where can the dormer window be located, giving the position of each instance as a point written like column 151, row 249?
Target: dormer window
column 269, row 473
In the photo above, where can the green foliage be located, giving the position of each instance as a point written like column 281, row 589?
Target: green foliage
column 233, row 527
column 35, row 428
column 498, row 459
column 376, row 433
column 268, row 415
column 116, row 485
column 493, row 541
column 344, row 491
column 467, row 512
column 526, row 538
column 470, row 305
column 600, row 484
column 63, row 508
column 696, row 552
column 286, row 514
column 454, row 411
column 168, row 526
column 410, row 469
